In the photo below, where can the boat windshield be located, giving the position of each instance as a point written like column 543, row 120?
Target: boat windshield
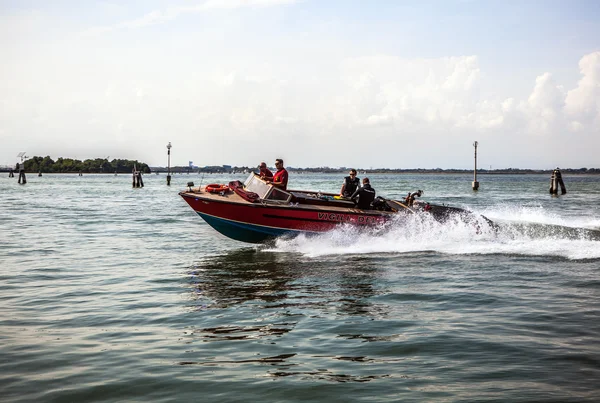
column 264, row 190
column 254, row 184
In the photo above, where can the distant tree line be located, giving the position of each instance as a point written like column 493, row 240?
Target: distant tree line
column 325, row 169
column 513, row 171
column 207, row 169
column 98, row 165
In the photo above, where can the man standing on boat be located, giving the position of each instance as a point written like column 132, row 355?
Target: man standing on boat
column 265, row 172
column 350, row 185
column 280, row 179
column 410, row 199
column 365, row 194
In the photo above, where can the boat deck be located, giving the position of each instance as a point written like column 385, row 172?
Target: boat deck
column 302, row 199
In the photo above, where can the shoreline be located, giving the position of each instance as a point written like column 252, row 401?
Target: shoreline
column 341, row 172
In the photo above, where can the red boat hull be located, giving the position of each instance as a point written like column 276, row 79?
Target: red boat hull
column 257, row 222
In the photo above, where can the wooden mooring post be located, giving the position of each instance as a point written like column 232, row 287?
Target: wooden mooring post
column 138, row 182
column 475, row 184
column 21, row 167
column 556, row 181
column 22, row 177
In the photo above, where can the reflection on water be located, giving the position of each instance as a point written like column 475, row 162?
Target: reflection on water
column 280, row 281
column 283, row 301
column 326, row 375
column 266, row 360
column 240, row 276
column 120, row 303
column 283, row 368
column 221, row 333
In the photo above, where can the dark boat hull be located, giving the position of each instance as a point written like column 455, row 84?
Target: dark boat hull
column 246, row 232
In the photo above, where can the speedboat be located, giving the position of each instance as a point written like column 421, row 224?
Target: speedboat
column 257, row 212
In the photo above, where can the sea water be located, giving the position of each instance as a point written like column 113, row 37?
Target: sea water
column 110, row 294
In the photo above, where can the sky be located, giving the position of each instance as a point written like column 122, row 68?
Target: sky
column 378, row 84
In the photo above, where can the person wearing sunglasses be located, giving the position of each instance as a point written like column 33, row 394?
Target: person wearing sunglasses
column 350, row 185
column 280, row 179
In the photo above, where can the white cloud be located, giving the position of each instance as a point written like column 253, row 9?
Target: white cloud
column 379, row 120
column 217, row 4
column 546, row 94
column 544, row 105
column 383, row 89
column 465, row 74
column 315, row 103
column 508, row 105
column 171, row 13
column 583, row 102
column 575, row 126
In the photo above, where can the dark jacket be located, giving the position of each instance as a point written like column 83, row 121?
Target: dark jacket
column 366, row 195
column 350, row 185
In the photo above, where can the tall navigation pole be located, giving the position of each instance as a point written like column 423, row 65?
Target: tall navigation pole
column 475, row 184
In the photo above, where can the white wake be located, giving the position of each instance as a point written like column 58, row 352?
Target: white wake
column 520, row 231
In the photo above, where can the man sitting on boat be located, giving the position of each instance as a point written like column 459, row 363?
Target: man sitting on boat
column 280, row 179
column 350, row 185
column 365, row 195
column 264, row 172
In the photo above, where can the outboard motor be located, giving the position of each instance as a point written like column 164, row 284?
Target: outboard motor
column 380, row 204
